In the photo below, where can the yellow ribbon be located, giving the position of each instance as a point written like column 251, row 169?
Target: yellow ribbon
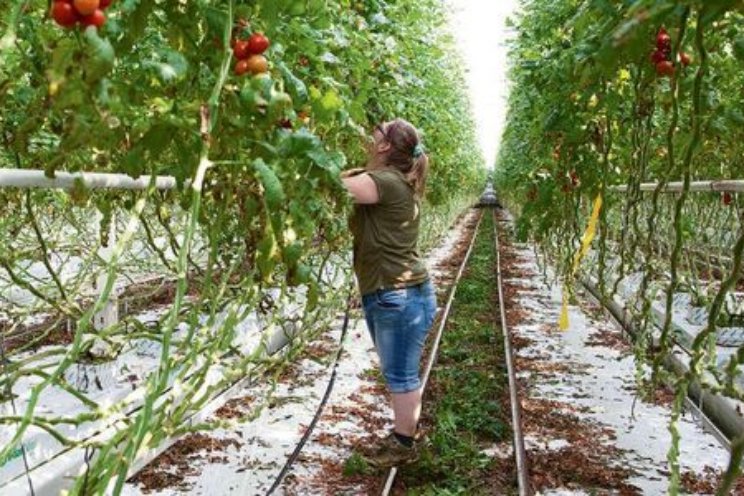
column 586, row 242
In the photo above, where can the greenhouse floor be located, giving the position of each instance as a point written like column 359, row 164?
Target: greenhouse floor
column 586, row 428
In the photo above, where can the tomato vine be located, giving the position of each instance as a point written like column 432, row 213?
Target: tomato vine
column 621, row 94
column 258, row 218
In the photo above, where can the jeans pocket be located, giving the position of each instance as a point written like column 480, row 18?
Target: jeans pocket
column 394, row 299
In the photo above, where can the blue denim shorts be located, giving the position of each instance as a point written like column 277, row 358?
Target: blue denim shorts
column 398, row 321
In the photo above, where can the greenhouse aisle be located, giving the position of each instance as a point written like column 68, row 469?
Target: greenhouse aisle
column 579, row 392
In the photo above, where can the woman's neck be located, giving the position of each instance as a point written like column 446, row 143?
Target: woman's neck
column 374, row 164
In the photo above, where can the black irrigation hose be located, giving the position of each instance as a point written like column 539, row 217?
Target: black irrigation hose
column 329, row 388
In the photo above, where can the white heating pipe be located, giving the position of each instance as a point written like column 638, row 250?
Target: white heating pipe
column 28, row 178
column 733, row 186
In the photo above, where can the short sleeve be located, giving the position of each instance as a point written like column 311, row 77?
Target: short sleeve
column 389, row 185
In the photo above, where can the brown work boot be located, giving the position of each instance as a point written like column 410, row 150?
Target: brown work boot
column 388, row 452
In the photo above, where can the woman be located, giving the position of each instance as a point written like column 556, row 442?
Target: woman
column 398, row 298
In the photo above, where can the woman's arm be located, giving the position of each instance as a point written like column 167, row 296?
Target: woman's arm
column 363, row 188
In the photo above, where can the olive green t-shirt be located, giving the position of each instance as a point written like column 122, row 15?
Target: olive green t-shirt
column 386, row 236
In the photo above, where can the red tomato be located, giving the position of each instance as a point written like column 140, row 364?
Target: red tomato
column 727, row 198
column 105, row 4
column 257, row 64
column 241, row 67
column 86, row 7
column 97, row 19
column 64, row 14
column 684, row 59
column 665, row 68
column 257, row 44
column 240, row 50
column 658, row 56
column 663, row 40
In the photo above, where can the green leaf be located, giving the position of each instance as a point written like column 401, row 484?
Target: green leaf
column 216, row 19
column 292, row 253
column 266, row 252
column 100, row 55
column 299, row 143
column 293, row 84
column 279, row 104
column 331, row 102
column 137, row 13
column 333, row 162
column 63, row 58
column 174, row 68
column 133, row 163
column 263, row 85
column 157, row 139
column 739, row 48
column 273, row 191
column 326, row 106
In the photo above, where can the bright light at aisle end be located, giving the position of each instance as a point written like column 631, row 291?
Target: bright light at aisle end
column 480, row 27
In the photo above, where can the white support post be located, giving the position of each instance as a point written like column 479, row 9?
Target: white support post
column 109, row 315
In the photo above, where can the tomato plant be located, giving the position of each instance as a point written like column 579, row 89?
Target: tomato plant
column 256, row 158
column 596, row 90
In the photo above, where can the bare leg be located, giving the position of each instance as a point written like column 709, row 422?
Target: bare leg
column 406, row 411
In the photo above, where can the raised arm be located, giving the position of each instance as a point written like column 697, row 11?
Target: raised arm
column 362, row 188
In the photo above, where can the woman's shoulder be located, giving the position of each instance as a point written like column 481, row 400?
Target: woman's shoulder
column 388, row 175
column 391, row 184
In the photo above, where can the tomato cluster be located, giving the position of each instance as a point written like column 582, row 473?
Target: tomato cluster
column 249, row 54
column 68, row 13
column 662, row 56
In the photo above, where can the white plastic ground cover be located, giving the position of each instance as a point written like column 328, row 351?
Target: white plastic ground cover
column 267, row 441
column 606, row 388
column 687, row 320
column 121, row 380
column 68, row 269
column 251, row 465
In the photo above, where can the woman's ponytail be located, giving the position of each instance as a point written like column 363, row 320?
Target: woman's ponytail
column 417, row 175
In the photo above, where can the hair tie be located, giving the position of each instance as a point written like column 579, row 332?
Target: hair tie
column 418, row 150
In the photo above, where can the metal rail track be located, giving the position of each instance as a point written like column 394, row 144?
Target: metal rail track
column 442, row 322
column 520, row 455
column 524, row 488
